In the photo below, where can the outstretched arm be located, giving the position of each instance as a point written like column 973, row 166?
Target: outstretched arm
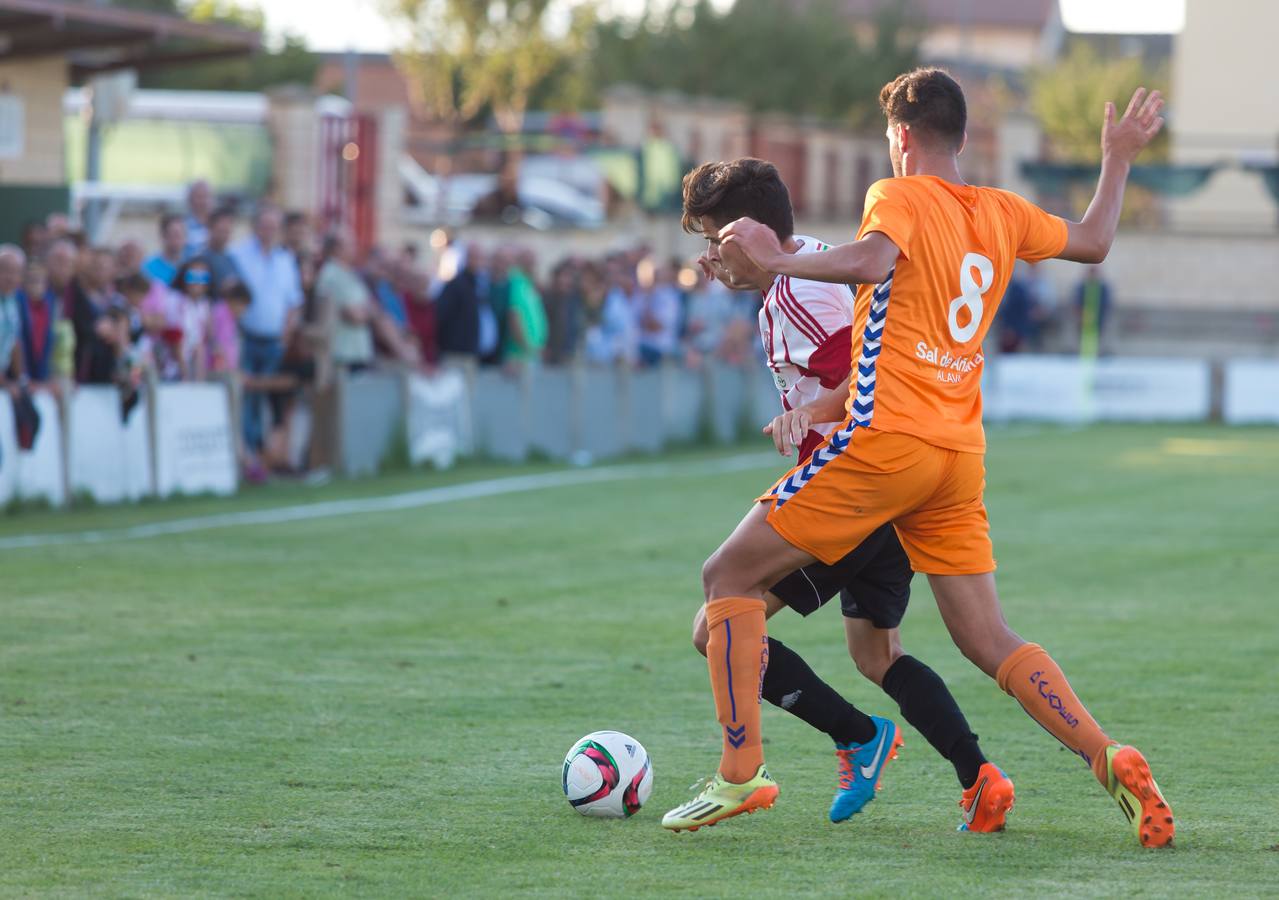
column 1089, row 240
column 867, row 261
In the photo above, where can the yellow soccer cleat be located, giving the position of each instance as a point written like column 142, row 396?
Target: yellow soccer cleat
column 1133, row 787
column 721, row 800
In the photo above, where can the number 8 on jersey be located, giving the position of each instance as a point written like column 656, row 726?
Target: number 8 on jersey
column 970, row 297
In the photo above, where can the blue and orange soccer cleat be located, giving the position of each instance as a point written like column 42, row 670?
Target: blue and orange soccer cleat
column 1134, row 789
column 860, row 768
column 987, row 803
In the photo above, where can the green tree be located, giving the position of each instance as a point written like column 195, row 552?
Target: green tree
column 471, row 56
column 1068, row 98
column 805, row 58
column 169, row 7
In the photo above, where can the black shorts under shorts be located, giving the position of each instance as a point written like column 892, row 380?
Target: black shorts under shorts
column 873, row 582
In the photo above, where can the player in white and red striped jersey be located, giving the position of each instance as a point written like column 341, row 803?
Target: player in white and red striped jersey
column 806, row 328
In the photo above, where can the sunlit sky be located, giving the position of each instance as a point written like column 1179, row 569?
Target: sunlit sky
column 360, row 25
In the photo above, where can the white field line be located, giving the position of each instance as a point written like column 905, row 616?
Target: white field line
column 473, row 490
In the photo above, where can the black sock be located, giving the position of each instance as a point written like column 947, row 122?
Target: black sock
column 790, row 684
column 926, row 703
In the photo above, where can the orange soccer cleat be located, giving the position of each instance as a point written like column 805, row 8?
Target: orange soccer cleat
column 986, row 804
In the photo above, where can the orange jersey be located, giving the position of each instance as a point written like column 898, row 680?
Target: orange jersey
column 958, row 245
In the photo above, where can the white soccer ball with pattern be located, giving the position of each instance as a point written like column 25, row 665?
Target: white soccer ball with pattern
column 607, row 774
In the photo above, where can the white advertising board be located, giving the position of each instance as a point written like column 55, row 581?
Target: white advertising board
column 1035, row 388
column 38, row 471
column 1152, row 390
column 1251, row 392
column 194, row 444
column 438, row 421
column 110, row 457
column 1069, row 390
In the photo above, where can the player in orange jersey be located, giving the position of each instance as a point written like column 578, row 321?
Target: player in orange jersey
column 806, row 328
column 933, row 257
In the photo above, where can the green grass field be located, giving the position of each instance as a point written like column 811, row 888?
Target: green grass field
column 378, row 704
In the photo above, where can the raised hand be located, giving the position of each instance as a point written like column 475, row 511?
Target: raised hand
column 1123, row 140
column 704, row 263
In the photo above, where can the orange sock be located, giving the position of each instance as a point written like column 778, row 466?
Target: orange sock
column 737, row 654
column 1030, row 675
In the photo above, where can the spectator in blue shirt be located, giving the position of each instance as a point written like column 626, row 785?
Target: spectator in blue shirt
column 271, row 275
column 13, row 263
column 173, row 247
column 217, row 252
column 660, row 312
column 199, row 209
column 380, row 272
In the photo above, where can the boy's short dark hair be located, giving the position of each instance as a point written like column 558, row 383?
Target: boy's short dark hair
column 168, row 219
column 732, row 190
column 134, row 284
column 237, row 292
column 929, row 101
column 222, row 212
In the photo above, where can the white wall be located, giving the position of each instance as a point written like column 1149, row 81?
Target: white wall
column 1225, row 106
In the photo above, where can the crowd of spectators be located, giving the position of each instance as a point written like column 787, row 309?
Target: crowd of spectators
column 276, row 303
column 627, row 308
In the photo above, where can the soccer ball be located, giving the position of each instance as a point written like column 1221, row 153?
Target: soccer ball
column 607, row 774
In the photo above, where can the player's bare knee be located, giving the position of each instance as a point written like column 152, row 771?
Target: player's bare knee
column 873, row 649
column 721, row 577
column 875, row 664
column 700, row 640
column 701, row 635
column 870, row 669
column 715, row 572
column 709, row 570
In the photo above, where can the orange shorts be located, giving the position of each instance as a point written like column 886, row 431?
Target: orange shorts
column 830, row 503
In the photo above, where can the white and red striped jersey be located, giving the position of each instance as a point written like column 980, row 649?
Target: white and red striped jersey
column 807, row 330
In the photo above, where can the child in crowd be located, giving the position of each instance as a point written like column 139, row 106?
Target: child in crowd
column 138, row 296
column 158, row 345
column 189, row 316
column 222, row 339
column 131, row 359
column 145, row 324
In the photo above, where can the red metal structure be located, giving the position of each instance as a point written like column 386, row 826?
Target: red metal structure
column 348, row 176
